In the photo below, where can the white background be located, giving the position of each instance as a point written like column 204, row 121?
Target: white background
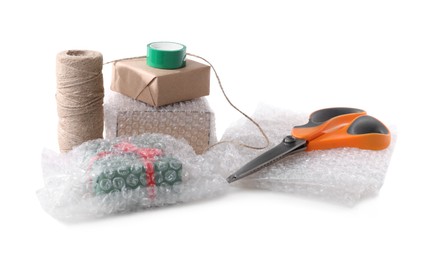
column 302, row 55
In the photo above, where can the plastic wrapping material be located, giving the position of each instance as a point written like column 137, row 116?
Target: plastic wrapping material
column 192, row 120
column 104, row 177
column 343, row 175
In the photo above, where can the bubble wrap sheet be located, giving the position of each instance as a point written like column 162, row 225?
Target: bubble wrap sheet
column 343, row 175
column 104, row 177
column 192, row 120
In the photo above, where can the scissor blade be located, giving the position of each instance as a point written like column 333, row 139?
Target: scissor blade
column 289, row 146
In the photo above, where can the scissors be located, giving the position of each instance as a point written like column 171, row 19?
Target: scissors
column 326, row 129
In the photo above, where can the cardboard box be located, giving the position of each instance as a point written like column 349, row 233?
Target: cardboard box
column 158, row 87
column 191, row 120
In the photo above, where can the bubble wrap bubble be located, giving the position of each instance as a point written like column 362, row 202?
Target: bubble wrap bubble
column 103, row 177
column 343, row 175
column 192, row 120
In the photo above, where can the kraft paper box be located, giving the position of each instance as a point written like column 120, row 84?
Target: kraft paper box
column 191, row 120
column 158, row 87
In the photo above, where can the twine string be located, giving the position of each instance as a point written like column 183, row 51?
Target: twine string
column 237, row 109
column 123, row 59
column 262, row 132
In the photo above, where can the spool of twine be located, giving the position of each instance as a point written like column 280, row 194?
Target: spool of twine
column 80, row 94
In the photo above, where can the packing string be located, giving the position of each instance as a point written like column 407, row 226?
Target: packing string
column 237, row 109
column 262, row 132
column 80, row 94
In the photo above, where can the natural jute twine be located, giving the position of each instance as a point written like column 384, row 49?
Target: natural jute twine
column 80, row 94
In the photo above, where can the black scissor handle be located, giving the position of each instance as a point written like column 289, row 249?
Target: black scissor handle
column 367, row 125
column 320, row 116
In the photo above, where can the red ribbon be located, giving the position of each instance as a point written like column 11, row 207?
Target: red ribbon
column 146, row 154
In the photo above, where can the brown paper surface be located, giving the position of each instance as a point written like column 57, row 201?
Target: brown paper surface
column 158, row 87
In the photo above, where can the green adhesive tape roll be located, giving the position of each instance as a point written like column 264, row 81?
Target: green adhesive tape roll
column 166, row 55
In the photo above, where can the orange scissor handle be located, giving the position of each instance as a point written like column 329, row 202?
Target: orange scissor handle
column 326, row 120
column 343, row 127
column 365, row 132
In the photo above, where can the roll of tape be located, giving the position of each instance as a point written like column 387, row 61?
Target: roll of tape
column 166, row 55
